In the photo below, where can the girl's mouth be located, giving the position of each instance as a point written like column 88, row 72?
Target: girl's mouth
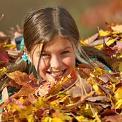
column 57, row 74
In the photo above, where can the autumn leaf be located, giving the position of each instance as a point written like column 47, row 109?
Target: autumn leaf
column 118, row 104
column 64, row 83
column 88, row 93
column 103, row 33
column 30, row 118
column 40, row 102
column 46, row 119
column 4, row 57
column 118, row 94
column 98, row 90
column 20, row 78
column 25, row 91
column 113, row 118
column 3, row 71
column 117, row 28
column 5, row 94
column 57, row 119
column 120, row 67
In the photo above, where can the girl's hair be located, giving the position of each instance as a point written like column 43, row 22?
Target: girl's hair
column 42, row 25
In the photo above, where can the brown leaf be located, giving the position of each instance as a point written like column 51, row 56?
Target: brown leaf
column 98, row 98
column 80, row 102
column 64, row 83
column 4, row 57
column 113, row 118
column 25, row 91
column 20, row 78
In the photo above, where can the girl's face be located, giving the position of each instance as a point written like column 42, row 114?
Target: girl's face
column 57, row 57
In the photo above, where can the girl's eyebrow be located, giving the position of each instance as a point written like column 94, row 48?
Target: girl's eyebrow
column 44, row 52
column 68, row 47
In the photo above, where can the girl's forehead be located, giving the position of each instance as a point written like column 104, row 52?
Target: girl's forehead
column 57, row 43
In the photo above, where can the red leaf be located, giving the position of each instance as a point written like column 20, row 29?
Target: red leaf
column 4, row 57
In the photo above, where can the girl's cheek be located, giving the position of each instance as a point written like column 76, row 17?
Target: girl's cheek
column 42, row 74
column 42, row 70
column 43, row 65
column 69, row 61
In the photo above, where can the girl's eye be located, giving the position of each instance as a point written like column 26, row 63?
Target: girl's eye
column 45, row 55
column 65, row 52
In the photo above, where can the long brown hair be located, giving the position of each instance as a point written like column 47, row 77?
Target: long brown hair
column 43, row 24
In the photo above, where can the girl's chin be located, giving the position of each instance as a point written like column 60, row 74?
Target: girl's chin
column 54, row 79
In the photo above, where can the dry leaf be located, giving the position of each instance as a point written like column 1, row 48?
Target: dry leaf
column 117, row 28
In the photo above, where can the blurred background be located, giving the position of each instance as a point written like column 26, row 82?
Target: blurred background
column 88, row 14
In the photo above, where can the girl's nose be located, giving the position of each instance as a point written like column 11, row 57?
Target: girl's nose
column 56, row 62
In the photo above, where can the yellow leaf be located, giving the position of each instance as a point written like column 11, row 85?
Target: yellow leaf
column 99, row 47
column 30, row 118
column 9, row 46
column 82, row 42
column 110, row 41
column 87, row 110
column 13, row 107
column 47, row 119
column 117, row 28
column 97, row 118
column 24, row 113
column 118, row 104
column 40, row 102
column 3, row 71
column 83, row 119
column 120, row 67
column 120, row 56
column 80, row 118
column 97, row 89
column 118, row 93
column 9, row 107
column 55, row 104
column 103, row 33
column 98, row 72
column 57, row 119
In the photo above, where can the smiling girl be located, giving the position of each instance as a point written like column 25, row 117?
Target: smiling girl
column 52, row 42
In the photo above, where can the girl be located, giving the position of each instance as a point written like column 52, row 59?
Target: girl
column 52, row 42
column 53, row 47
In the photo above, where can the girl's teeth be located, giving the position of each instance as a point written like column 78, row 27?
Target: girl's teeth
column 56, row 74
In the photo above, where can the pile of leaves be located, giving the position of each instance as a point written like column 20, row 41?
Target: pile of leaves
column 86, row 94
column 107, row 45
